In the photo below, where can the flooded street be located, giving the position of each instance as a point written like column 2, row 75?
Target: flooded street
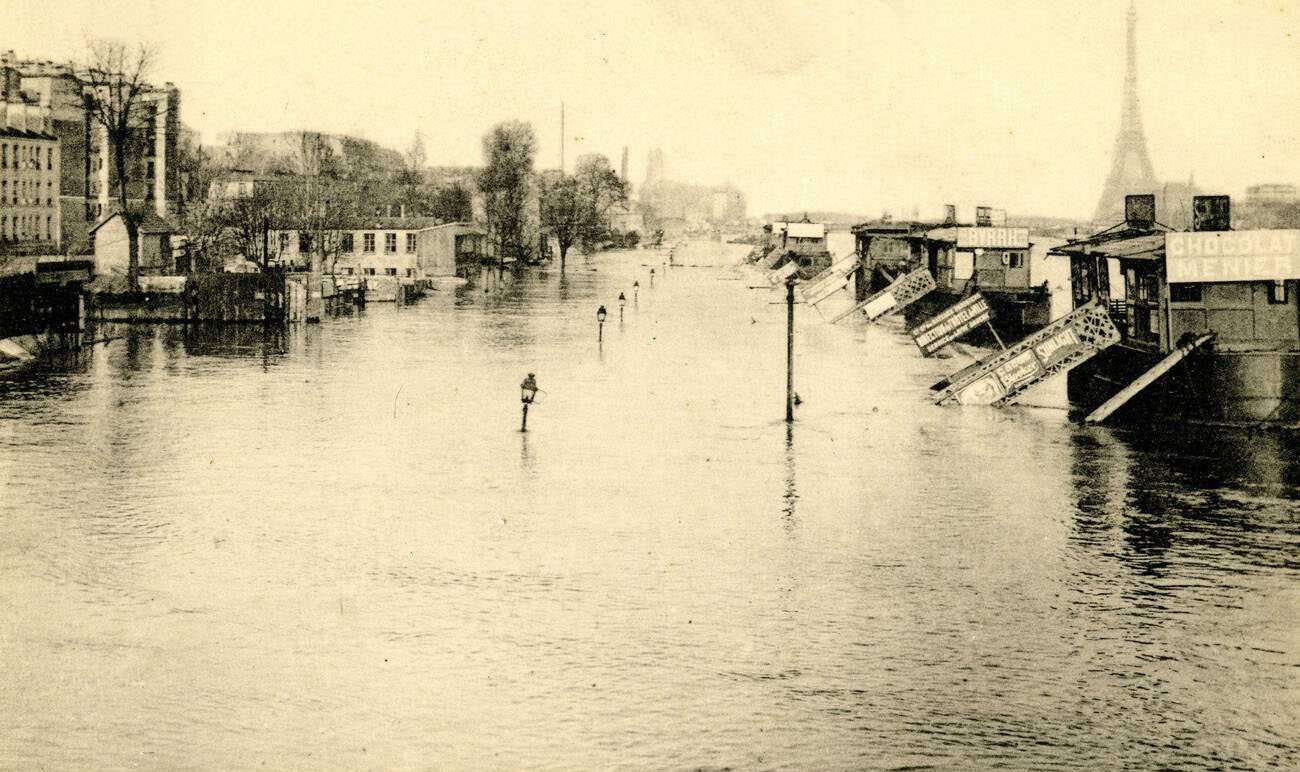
column 333, row 548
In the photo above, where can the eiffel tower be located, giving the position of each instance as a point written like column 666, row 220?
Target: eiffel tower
column 1130, row 169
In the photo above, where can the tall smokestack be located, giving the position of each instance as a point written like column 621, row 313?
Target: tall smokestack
column 623, row 174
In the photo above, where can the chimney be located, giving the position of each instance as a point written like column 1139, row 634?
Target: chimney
column 624, row 167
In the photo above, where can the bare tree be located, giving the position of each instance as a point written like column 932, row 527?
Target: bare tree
column 249, row 220
column 562, row 212
column 415, row 192
column 508, row 152
column 325, row 202
column 599, row 190
column 208, row 236
column 113, row 82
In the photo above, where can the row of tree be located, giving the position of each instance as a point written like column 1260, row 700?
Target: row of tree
column 572, row 209
column 319, row 194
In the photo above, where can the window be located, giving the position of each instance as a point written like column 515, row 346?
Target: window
column 347, row 270
column 49, row 194
column 368, row 243
column 1184, row 293
column 304, row 242
column 4, row 156
column 49, row 158
column 284, row 242
column 1015, row 259
column 390, row 243
column 49, row 228
column 1277, row 292
column 390, row 271
column 410, row 243
column 410, row 272
column 345, row 243
column 370, row 272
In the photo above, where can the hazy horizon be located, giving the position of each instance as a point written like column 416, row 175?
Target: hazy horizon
column 834, row 106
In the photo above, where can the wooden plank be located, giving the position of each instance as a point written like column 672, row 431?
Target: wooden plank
column 1105, row 409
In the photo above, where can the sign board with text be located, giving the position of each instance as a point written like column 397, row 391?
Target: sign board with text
column 955, row 321
column 782, row 273
column 992, row 238
column 1229, row 256
column 830, row 281
column 1058, row 347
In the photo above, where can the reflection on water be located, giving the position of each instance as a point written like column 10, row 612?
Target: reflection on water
column 331, row 547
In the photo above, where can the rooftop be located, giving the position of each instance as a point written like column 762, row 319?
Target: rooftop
column 12, row 133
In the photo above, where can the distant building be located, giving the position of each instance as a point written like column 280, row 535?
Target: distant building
column 45, row 91
column 405, row 248
column 1271, row 193
column 29, row 192
column 241, row 183
column 626, row 219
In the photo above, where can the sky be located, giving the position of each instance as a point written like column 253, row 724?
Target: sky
column 854, row 106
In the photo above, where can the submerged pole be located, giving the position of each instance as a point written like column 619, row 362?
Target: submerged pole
column 789, row 350
column 524, row 426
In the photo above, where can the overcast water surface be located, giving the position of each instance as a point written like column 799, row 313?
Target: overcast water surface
column 332, row 548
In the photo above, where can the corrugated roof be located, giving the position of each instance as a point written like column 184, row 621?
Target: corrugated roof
column 1136, row 245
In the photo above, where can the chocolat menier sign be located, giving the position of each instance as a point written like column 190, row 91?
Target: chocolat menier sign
column 1228, row 256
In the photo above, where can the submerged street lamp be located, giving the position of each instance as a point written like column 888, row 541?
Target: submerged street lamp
column 622, row 301
column 636, row 291
column 600, row 322
column 652, row 278
column 527, row 393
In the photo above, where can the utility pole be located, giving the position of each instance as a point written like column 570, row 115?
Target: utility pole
column 789, row 349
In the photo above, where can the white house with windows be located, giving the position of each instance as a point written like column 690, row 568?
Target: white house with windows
column 404, row 249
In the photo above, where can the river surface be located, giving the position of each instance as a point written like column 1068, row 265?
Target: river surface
column 333, row 548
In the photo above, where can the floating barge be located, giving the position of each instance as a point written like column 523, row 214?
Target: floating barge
column 1209, row 321
column 964, row 259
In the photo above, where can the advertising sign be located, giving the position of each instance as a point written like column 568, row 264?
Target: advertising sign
column 1226, row 256
column 829, row 281
column 992, row 238
column 1211, row 213
column 901, row 293
column 783, row 273
column 1140, row 210
column 1058, row 347
column 949, row 325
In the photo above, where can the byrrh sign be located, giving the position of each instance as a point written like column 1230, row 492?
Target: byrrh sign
column 1226, row 256
column 992, row 238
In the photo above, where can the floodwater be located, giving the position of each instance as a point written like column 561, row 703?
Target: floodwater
column 334, row 549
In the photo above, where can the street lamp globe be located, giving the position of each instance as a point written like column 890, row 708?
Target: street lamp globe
column 622, row 299
column 600, row 314
column 528, row 389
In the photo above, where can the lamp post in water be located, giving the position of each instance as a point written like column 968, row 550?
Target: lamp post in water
column 527, row 393
column 622, row 301
column 652, row 278
column 636, row 291
column 789, row 349
column 600, row 324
